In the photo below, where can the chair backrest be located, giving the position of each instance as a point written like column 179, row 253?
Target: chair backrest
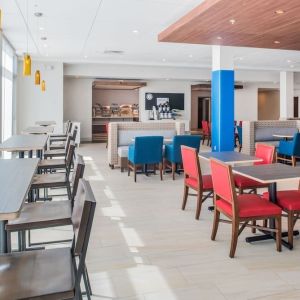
column 266, row 153
column 192, row 141
column 74, row 134
column 191, row 165
column 296, row 144
column 222, row 179
column 148, row 149
column 67, row 127
column 69, row 157
column 82, row 220
column 240, row 134
column 70, row 127
column 77, row 175
column 205, row 127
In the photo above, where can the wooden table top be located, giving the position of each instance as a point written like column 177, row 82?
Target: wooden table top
column 24, row 143
column 269, row 173
column 15, row 177
column 230, row 157
column 45, row 123
column 38, row 130
column 283, row 136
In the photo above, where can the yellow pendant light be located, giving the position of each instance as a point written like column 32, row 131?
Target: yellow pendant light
column 27, row 58
column 43, row 86
column 27, row 65
column 37, row 77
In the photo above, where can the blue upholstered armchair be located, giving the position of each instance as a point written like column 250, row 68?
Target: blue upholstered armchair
column 146, row 150
column 173, row 151
column 289, row 150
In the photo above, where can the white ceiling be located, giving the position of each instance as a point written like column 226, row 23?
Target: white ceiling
column 81, row 30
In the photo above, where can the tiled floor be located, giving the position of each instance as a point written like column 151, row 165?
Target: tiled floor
column 143, row 246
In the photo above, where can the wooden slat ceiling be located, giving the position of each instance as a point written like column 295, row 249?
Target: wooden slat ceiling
column 258, row 23
column 118, row 84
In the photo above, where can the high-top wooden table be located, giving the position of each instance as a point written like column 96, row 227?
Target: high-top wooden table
column 38, row 130
column 45, row 123
column 15, row 177
column 23, row 143
column 270, row 174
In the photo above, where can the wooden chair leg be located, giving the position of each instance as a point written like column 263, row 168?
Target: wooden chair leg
column 278, row 233
column 265, row 223
column 128, row 168
column 185, row 196
column 234, row 238
column 134, row 171
column 215, row 224
column 161, row 171
column 254, row 224
column 199, row 205
column 203, row 139
column 291, row 227
column 173, row 170
column 293, row 161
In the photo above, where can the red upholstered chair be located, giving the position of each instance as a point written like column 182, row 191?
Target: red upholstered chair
column 289, row 201
column 193, row 178
column 239, row 208
column 264, row 152
column 206, row 132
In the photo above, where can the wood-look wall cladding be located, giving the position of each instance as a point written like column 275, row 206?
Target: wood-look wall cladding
column 256, row 24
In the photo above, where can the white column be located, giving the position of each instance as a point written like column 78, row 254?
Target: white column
column 286, row 95
column 222, row 58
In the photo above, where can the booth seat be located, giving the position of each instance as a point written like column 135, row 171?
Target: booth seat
column 122, row 134
column 263, row 131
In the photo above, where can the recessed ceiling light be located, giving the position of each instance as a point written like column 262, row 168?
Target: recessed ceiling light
column 288, row 61
column 279, row 11
column 38, row 14
column 232, row 21
column 45, row 45
column 191, row 55
column 163, row 59
column 85, row 56
column 47, row 54
column 219, row 38
column 167, row 79
column 276, row 42
column 135, row 31
column 41, row 28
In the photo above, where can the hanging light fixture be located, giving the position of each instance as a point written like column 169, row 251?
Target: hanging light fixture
column 27, row 58
column 37, row 77
column 43, row 86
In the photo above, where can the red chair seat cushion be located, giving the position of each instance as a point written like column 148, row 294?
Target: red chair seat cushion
column 206, row 181
column 289, row 200
column 244, row 182
column 250, row 206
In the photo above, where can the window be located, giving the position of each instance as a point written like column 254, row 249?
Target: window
column 7, row 90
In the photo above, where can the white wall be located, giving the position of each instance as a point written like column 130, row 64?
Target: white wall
column 166, row 86
column 35, row 105
column 78, row 104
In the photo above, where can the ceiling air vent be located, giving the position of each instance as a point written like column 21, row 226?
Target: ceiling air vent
column 118, row 52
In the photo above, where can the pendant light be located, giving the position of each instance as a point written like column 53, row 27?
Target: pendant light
column 27, row 58
column 37, row 77
column 43, row 86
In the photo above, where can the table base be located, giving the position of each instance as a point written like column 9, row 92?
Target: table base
column 270, row 236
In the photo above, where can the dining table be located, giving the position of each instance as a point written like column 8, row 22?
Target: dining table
column 45, row 123
column 15, row 177
column 24, row 143
column 284, row 136
column 270, row 174
column 38, row 130
column 230, row 157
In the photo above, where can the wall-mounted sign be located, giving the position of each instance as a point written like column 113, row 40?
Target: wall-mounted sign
column 176, row 100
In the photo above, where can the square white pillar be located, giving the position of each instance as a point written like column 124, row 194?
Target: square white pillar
column 286, row 95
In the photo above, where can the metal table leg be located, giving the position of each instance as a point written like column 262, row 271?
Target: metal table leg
column 271, row 235
column 3, row 237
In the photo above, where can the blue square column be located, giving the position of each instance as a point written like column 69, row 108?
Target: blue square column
column 222, row 103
